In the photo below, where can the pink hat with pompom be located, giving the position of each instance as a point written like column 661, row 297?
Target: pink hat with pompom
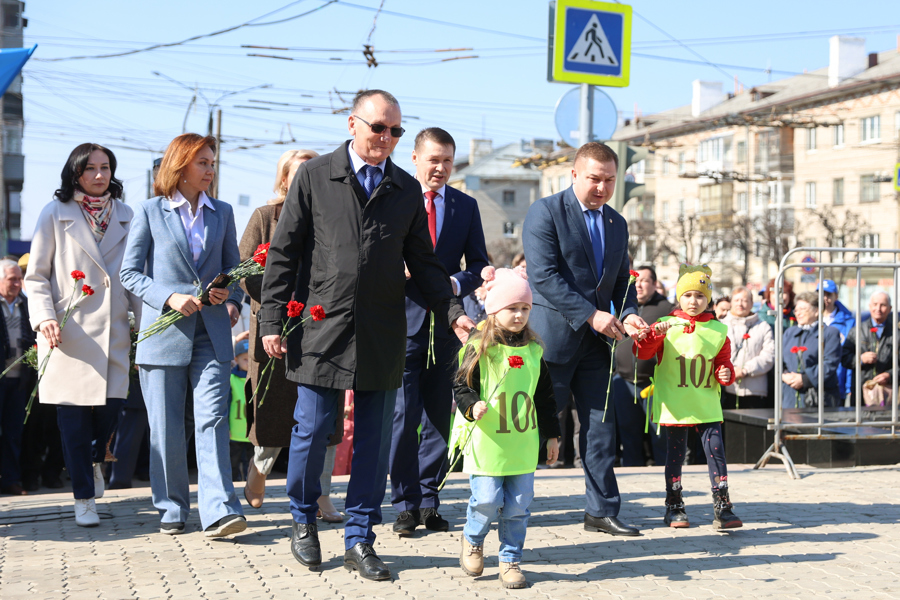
column 504, row 288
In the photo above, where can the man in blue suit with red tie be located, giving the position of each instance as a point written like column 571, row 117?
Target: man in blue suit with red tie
column 418, row 461
column 576, row 249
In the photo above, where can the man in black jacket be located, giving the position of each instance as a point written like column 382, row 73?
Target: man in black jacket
column 631, row 417
column 15, row 337
column 876, row 347
column 350, row 220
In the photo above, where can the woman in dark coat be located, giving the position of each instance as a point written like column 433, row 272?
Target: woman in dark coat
column 800, row 386
column 270, row 426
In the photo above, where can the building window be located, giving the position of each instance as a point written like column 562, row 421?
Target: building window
column 868, row 189
column 665, row 159
column 681, row 163
column 810, row 194
column 838, row 135
column 742, row 202
column 509, row 197
column 11, row 15
column 870, row 129
column 837, row 194
column 681, row 207
column 811, row 139
column 741, row 152
column 809, row 243
column 563, row 182
column 509, row 229
column 868, row 240
column 243, row 200
column 758, row 197
column 12, row 139
column 713, row 149
column 632, row 211
column 665, row 212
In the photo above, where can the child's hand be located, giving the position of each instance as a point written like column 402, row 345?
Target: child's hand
column 479, row 409
column 724, row 373
column 662, row 327
column 552, row 450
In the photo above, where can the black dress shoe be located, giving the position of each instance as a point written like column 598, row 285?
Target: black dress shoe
column 406, row 522
column 433, row 521
column 31, row 484
column 305, row 544
column 362, row 558
column 610, row 525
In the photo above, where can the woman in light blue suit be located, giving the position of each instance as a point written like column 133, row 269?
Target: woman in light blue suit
column 179, row 242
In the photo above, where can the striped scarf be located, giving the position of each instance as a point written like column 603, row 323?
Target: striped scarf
column 96, row 212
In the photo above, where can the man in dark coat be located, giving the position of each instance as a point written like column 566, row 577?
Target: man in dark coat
column 576, row 249
column 350, row 220
column 876, row 347
column 631, row 416
column 15, row 337
column 419, row 456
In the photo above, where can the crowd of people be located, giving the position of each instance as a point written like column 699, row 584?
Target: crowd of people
column 416, row 354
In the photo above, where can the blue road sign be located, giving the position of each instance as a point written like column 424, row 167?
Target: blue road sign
column 592, row 43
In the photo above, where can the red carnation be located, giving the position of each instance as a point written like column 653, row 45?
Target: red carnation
column 87, row 290
column 746, row 336
column 317, row 312
column 801, row 348
column 795, row 349
column 262, row 252
column 874, row 330
column 76, row 275
column 516, row 362
column 634, row 274
column 294, row 308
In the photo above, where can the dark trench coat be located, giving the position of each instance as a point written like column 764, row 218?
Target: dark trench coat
column 345, row 252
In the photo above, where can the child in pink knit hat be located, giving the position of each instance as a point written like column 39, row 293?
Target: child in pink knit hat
column 506, row 405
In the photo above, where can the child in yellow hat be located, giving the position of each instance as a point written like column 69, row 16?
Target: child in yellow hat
column 693, row 364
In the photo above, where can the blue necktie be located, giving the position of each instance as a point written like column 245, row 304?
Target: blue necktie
column 371, row 180
column 597, row 240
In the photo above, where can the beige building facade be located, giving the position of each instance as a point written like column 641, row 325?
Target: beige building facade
column 736, row 180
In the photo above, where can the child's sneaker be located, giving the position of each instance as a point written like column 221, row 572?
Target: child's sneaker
column 511, row 576
column 471, row 558
column 725, row 518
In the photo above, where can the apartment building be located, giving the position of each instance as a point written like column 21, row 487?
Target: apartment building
column 737, row 179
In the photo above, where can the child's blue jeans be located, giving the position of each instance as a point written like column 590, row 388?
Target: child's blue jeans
column 507, row 499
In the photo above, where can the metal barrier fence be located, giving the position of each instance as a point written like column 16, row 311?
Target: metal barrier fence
column 820, row 429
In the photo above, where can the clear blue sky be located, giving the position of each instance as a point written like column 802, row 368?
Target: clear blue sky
column 502, row 95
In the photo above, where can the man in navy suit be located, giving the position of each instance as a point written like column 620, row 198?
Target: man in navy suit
column 576, row 250
column 418, row 462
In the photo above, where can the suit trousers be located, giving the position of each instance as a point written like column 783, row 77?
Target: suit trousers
column 165, row 390
column 585, row 376
column 315, row 414
column 130, row 434
column 85, row 431
column 418, row 462
column 631, row 419
column 13, row 398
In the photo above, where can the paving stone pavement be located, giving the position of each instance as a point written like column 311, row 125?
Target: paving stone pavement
column 832, row 534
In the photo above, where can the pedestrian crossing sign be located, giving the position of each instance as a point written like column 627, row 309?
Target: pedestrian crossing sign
column 591, row 43
column 897, row 177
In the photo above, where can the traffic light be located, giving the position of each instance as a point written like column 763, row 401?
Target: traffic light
column 628, row 155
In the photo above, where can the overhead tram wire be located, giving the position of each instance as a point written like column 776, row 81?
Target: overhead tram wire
column 249, row 23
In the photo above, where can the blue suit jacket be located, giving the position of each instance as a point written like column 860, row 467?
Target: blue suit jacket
column 563, row 274
column 461, row 236
column 158, row 263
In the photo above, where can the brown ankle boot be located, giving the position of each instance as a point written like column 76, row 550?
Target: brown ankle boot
column 511, row 576
column 471, row 558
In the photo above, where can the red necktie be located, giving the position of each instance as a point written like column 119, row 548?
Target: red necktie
column 432, row 215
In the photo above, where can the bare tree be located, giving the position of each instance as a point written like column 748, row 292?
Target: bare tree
column 840, row 230
column 739, row 238
column 773, row 230
column 684, row 237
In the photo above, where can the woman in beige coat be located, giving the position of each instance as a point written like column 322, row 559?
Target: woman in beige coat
column 752, row 354
column 83, row 229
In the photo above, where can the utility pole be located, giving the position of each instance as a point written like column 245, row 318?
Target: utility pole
column 215, row 184
column 586, row 116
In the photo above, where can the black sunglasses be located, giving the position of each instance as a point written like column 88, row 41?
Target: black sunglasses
column 379, row 128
